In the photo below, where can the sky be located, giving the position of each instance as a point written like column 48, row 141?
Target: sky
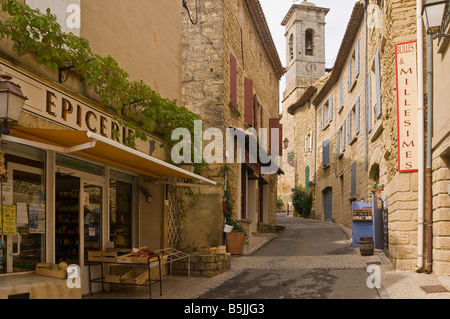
column 336, row 24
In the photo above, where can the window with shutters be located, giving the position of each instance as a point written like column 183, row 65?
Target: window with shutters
column 343, row 135
column 341, row 95
column 308, row 143
column 354, row 122
column 338, row 143
column 353, row 182
column 68, row 13
column 353, row 67
column 248, row 101
column 233, row 81
column 274, row 143
column 326, row 153
column 326, row 113
column 374, row 117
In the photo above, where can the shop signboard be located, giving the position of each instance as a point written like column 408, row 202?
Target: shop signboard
column 407, row 121
column 57, row 105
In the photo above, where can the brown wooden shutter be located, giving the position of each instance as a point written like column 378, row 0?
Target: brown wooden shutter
column 248, row 101
column 233, row 81
column 275, row 123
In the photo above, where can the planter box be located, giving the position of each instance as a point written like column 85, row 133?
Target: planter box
column 235, row 242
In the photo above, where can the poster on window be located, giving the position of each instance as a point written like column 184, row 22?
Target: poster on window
column 8, row 220
column 406, row 67
column 36, row 217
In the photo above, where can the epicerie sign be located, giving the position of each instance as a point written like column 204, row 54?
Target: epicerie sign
column 406, row 76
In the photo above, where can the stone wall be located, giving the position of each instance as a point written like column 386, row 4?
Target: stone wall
column 224, row 28
column 203, row 265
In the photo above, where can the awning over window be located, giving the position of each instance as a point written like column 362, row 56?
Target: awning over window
column 99, row 148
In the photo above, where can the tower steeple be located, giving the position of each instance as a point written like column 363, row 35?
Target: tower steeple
column 305, row 63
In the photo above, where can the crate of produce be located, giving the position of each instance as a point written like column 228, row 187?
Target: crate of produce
column 136, row 276
column 52, row 270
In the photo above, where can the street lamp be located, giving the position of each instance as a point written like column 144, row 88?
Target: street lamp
column 433, row 12
column 286, row 143
column 11, row 103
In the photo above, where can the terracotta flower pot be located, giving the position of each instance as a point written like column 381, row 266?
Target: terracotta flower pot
column 235, row 242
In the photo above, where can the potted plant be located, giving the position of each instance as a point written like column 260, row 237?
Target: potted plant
column 376, row 188
column 236, row 236
column 236, row 239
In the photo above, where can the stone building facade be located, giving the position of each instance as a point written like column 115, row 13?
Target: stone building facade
column 305, row 63
column 356, row 135
column 87, row 189
column 231, row 74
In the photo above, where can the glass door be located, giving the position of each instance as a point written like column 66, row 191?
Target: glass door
column 92, row 218
column 67, row 219
column 23, row 219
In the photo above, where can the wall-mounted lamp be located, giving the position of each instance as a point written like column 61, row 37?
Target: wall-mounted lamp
column 286, row 143
column 189, row 12
column 11, row 103
column 436, row 16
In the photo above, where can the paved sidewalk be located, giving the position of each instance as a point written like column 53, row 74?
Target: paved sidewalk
column 395, row 284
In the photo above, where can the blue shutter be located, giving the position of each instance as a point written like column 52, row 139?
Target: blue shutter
column 330, row 109
column 353, row 186
column 322, row 110
column 357, row 116
column 378, row 83
column 349, row 130
column 369, row 103
column 326, row 152
column 343, row 136
column 357, row 59
column 338, row 142
column 341, row 93
column 349, row 74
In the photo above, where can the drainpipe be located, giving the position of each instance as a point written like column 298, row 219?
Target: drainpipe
column 366, row 147
column 429, row 170
column 421, row 160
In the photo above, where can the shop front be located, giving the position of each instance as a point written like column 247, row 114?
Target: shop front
column 72, row 186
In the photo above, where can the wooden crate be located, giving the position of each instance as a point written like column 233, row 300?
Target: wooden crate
column 95, row 255
column 109, row 256
column 41, row 270
column 112, row 279
column 135, row 276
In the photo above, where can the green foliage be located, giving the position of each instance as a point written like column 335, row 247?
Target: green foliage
column 280, row 202
column 302, row 200
column 33, row 32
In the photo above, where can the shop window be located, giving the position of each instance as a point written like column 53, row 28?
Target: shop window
column 24, row 218
column 309, row 42
column 120, row 199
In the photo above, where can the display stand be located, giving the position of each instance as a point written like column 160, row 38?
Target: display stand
column 149, row 261
column 162, row 257
column 171, row 255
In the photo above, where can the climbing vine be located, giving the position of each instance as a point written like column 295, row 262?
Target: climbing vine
column 33, row 32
